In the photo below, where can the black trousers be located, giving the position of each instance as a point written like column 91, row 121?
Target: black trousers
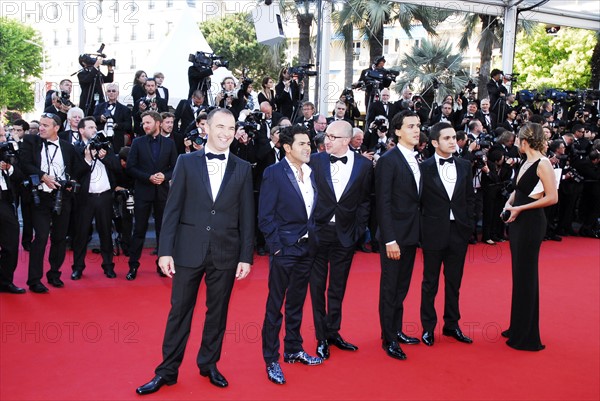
column 141, row 214
column 453, row 258
column 393, row 287
column 9, row 242
column 47, row 223
column 96, row 207
column 26, row 204
column 186, row 282
column 288, row 280
column 333, row 260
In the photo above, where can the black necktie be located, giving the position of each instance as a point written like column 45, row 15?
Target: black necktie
column 343, row 159
column 449, row 160
column 211, row 156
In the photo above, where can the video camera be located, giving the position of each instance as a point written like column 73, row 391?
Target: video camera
column 88, row 59
column 8, row 152
column 302, row 71
column 381, row 75
column 202, row 60
column 512, row 77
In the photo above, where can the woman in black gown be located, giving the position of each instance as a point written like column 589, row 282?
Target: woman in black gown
column 535, row 188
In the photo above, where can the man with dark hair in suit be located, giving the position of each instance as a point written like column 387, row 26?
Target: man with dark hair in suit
column 285, row 215
column 54, row 161
column 339, row 114
column 341, row 216
column 397, row 183
column 187, row 110
column 58, row 108
column 114, row 118
column 211, row 204
column 150, row 162
column 91, row 80
column 446, row 223
column 496, row 91
column 66, row 86
column 288, row 93
column 161, row 91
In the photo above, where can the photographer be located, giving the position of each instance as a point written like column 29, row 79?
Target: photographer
column 495, row 184
column 151, row 102
column 247, row 127
column 467, row 117
column 308, row 112
column 124, row 203
column 339, row 113
column 371, row 85
column 196, row 138
column 228, row 98
column 288, row 93
column 59, row 108
column 53, row 163
column 590, row 198
column 64, row 90
column 377, row 136
column 186, row 112
column 95, row 198
column 496, row 91
column 114, row 118
column 352, row 111
column 382, row 107
column 91, row 80
column 487, row 118
column 137, row 91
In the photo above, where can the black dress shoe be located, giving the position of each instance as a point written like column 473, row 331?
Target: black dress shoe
column 132, row 274
column 110, row 273
column 154, row 385
column 505, row 334
column 154, row 252
column 216, row 378
column 428, row 338
column 374, row 247
column 12, row 289
column 457, row 334
column 341, row 344
column 302, row 357
column 393, row 350
column 404, row 339
column 38, row 288
column 27, row 247
column 76, row 275
column 363, row 248
column 274, row 373
column 56, row 282
column 323, row 349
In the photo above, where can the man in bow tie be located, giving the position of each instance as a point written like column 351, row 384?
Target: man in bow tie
column 341, row 216
column 446, row 223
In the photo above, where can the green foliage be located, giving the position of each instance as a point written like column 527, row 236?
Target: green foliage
column 432, row 60
column 555, row 61
column 20, row 63
column 234, row 38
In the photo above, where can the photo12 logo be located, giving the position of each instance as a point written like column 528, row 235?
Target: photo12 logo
column 68, row 332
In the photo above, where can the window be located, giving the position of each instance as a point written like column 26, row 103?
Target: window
column 151, row 4
column 169, row 3
column 169, row 27
column 99, row 35
column 116, row 34
column 68, row 36
column 191, row 3
column 397, row 47
column 386, row 46
column 150, row 31
column 133, row 35
column 132, row 65
column 55, row 37
column 356, row 50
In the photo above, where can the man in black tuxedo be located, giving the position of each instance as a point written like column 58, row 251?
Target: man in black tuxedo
column 69, row 131
column 94, row 200
column 91, row 80
column 114, row 118
column 397, row 184
column 187, row 110
column 288, row 94
column 447, row 115
column 65, row 85
column 341, row 216
column 58, row 108
column 161, row 91
column 54, row 161
column 151, row 102
column 150, row 162
column 272, row 118
column 208, row 231
column 285, row 215
column 487, row 118
column 339, row 114
column 382, row 107
column 446, row 225
column 496, row 91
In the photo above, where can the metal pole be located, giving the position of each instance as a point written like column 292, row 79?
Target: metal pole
column 323, row 91
column 319, row 17
column 510, row 37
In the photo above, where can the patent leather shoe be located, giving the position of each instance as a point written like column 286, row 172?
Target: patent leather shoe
column 76, row 275
column 428, row 338
column 393, row 350
column 274, row 373
column 12, row 289
column 342, row 344
column 404, row 339
column 302, row 357
column 38, row 288
column 132, row 274
column 505, row 334
column 215, row 377
column 56, row 282
column 110, row 273
column 323, row 349
column 457, row 334
column 154, row 385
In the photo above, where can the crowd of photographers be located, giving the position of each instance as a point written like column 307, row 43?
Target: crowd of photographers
column 115, row 160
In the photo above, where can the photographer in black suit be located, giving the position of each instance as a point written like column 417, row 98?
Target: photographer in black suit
column 496, row 91
column 288, row 94
column 65, row 86
column 151, row 102
column 187, row 110
column 114, row 118
column 91, row 80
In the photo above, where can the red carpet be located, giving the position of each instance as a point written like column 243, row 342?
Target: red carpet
column 98, row 339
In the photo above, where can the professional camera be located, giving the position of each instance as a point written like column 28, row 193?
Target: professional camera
column 70, row 185
column 8, row 152
column 194, row 137
column 302, row 71
column 202, row 60
column 480, row 158
column 252, row 123
column 99, row 142
column 32, row 184
column 349, row 95
column 65, row 99
column 149, row 102
column 380, row 123
column 485, row 141
column 574, row 174
column 512, row 77
column 124, row 203
column 381, row 75
column 470, row 85
column 556, row 95
column 87, row 59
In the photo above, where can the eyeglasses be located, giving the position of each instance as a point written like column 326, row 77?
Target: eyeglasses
column 333, row 137
column 48, row 115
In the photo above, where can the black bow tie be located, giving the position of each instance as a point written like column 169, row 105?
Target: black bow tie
column 211, row 156
column 486, row 114
column 449, row 160
column 333, row 159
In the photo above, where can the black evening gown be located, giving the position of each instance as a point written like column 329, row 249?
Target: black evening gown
column 526, row 235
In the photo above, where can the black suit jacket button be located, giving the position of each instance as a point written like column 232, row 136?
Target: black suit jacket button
column 213, row 212
column 207, row 228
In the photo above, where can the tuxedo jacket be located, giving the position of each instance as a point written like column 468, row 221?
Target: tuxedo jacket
column 166, row 97
column 493, row 121
column 286, row 103
column 68, row 135
column 112, row 167
column 352, row 210
column 282, row 214
column 184, row 116
column 494, row 89
column 378, row 109
column 161, row 105
column 332, row 119
column 31, row 161
column 141, row 165
column 121, row 117
column 397, row 200
column 193, row 223
column 436, row 205
column 91, row 80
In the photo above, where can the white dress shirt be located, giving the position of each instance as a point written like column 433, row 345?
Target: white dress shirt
column 410, row 156
column 216, row 171
column 306, row 188
column 52, row 162
column 340, row 176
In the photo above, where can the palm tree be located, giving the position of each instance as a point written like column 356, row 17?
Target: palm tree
column 595, row 82
column 490, row 37
column 432, row 65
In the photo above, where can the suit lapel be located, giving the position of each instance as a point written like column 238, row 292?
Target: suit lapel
column 460, row 176
column 353, row 176
column 290, row 174
column 436, row 176
column 229, row 168
column 325, row 165
column 204, row 172
column 403, row 160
